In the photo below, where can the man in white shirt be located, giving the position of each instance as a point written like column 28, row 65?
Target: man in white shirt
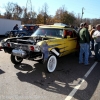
column 96, row 36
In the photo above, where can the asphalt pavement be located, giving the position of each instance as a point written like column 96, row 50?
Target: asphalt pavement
column 29, row 81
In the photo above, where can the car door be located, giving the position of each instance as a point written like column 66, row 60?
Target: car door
column 57, row 41
column 70, row 41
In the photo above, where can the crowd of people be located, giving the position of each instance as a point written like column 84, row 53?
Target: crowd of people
column 89, row 41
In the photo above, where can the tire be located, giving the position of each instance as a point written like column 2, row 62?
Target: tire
column 15, row 59
column 51, row 64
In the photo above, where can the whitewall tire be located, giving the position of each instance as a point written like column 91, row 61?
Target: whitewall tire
column 51, row 63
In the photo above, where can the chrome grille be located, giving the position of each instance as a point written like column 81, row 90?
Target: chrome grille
column 19, row 46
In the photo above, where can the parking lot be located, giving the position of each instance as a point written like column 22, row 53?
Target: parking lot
column 29, row 81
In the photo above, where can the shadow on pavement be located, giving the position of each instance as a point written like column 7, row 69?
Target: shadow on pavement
column 23, row 67
column 1, row 71
column 68, row 72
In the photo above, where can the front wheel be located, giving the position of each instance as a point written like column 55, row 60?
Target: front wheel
column 51, row 63
column 16, row 59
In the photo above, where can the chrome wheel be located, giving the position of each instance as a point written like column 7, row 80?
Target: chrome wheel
column 51, row 63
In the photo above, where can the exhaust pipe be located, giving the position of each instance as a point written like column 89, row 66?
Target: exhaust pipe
column 19, row 53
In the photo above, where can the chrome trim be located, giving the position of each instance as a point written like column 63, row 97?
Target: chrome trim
column 19, row 53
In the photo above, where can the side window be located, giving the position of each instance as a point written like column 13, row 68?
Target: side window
column 61, row 32
column 31, row 27
column 68, row 33
column 25, row 28
column 71, row 34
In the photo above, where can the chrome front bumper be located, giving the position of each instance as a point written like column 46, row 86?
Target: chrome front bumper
column 19, row 53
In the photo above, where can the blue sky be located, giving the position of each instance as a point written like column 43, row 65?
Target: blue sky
column 91, row 7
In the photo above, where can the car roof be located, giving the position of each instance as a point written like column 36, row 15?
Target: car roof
column 28, row 25
column 57, row 26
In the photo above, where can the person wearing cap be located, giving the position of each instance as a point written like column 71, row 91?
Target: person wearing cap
column 84, row 44
column 81, row 26
column 96, row 36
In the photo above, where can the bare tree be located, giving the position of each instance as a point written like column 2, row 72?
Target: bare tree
column 13, row 11
column 42, row 16
column 63, row 16
column 17, row 12
column 9, row 8
column 50, row 20
column 28, row 17
column 45, row 9
column 25, row 16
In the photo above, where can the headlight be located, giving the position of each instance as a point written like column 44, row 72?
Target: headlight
column 3, row 42
column 37, row 48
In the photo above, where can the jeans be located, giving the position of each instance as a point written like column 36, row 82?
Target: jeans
column 84, row 49
column 96, row 50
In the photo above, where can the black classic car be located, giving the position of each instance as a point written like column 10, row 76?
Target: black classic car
column 16, row 33
column 24, row 30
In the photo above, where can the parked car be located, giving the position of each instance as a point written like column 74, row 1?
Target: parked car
column 46, row 45
column 16, row 33
column 24, row 30
column 29, row 28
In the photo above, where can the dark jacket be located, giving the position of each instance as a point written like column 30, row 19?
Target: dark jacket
column 78, row 37
column 15, row 28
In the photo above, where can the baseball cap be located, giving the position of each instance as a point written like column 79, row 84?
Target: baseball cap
column 81, row 24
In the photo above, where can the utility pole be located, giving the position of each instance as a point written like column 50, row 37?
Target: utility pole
column 29, row 9
column 82, row 13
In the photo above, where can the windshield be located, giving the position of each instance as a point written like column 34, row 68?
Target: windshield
column 48, row 32
column 27, row 28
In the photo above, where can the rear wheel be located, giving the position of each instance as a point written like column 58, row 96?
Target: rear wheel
column 16, row 59
column 51, row 63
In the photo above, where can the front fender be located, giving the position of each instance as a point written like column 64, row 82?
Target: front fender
column 55, row 52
